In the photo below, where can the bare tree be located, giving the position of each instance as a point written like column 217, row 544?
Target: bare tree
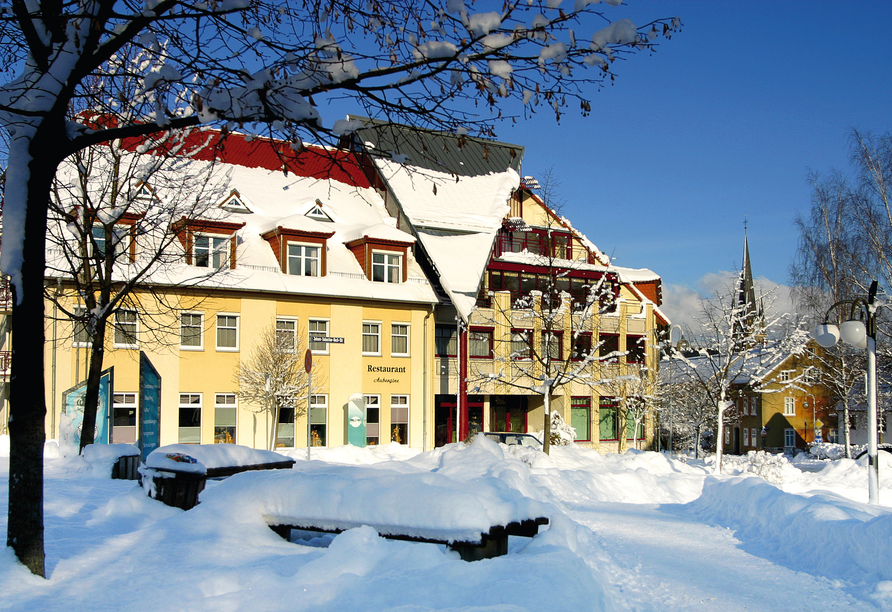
column 274, row 378
column 732, row 348
column 113, row 225
column 637, row 393
column 243, row 62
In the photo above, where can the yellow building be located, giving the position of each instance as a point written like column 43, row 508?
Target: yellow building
column 514, row 278
column 310, row 253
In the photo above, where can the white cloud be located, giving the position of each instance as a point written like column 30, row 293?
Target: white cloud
column 682, row 303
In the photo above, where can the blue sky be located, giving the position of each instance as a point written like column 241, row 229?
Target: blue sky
column 722, row 123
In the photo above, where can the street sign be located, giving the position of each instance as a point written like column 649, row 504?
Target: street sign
column 308, row 361
column 819, row 424
column 326, row 340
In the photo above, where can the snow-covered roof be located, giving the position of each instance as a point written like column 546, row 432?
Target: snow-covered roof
column 273, row 198
column 456, row 219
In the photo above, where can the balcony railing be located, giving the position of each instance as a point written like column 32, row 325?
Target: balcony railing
column 5, row 362
column 5, row 295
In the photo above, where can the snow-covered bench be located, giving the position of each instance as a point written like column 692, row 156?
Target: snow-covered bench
column 177, row 473
column 119, row 460
column 472, row 516
column 471, row 547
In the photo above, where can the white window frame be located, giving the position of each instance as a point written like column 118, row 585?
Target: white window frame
column 375, row 401
column 190, row 405
column 727, row 435
column 399, row 400
column 318, row 348
column 226, row 405
column 377, row 335
column 217, row 328
column 292, row 321
column 302, row 258
column 125, row 400
column 746, row 436
column 319, row 401
column 785, row 375
column 200, row 345
column 116, row 326
column 394, row 336
column 75, row 324
column 789, row 406
column 386, row 266
column 212, row 251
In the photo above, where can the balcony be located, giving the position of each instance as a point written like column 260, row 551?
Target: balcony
column 5, row 296
column 5, row 362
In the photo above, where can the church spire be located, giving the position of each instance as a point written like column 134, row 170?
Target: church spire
column 749, row 311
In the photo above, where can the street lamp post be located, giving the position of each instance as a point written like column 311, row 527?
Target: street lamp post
column 814, row 418
column 860, row 333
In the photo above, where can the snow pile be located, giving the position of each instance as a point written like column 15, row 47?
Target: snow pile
column 828, row 450
column 458, row 502
column 102, row 457
column 776, row 469
column 793, row 528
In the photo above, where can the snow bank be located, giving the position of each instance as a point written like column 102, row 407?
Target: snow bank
column 823, row 534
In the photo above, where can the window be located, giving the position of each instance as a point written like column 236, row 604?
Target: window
column 304, row 259
column 125, row 329
column 635, row 349
column 399, row 339
column 286, row 335
column 371, row 338
column 789, row 438
column 211, row 251
column 809, row 376
column 582, row 347
column 480, row 343
column 789, row 406
column 746, row 436
column 118, row 236
column 191, row 327
column 285, row 427
column 607, row 418
column 399, row 419
column 124, row 418
column 318, row 328
column 445, row 341
column 372, row 419
column 785, row 376
column 555, row 345
column 581, row 417
column 225, row 411
column 387, row 267
column 319, row 420
column 190, row 419
column 727, row 436
column 609, row 346
column 227, row 332
column 80, row 328
column 520, row 344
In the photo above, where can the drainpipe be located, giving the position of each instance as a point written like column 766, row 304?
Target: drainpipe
column 425, row 439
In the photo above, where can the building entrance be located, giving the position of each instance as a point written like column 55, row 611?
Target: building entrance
column 508, row 413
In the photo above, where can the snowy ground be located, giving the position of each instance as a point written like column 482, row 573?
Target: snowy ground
column 633, row 532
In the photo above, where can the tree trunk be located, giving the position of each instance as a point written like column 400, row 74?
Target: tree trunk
column 546, row 443
column 94, row 376
column 27, row 403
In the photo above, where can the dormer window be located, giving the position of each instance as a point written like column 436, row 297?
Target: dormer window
column 304, row 259
column 234, row 203
column 317, row 213
column 383, row 260
column 208, row 244
column 387, row 267
column 299, row 252
column 145, row 193
column 211, row 251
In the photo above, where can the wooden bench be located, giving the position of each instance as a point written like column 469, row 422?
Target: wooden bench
column 492, row 543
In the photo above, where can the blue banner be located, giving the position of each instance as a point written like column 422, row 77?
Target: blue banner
column 149, row 407
column 73, row 405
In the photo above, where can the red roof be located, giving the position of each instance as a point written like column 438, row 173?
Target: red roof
column 254, row 152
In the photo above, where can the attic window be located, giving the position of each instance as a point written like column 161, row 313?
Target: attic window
column 317, row 213
column 234, row 203
column 144, row 192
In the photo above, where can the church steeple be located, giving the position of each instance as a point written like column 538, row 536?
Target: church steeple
column 749, row 313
